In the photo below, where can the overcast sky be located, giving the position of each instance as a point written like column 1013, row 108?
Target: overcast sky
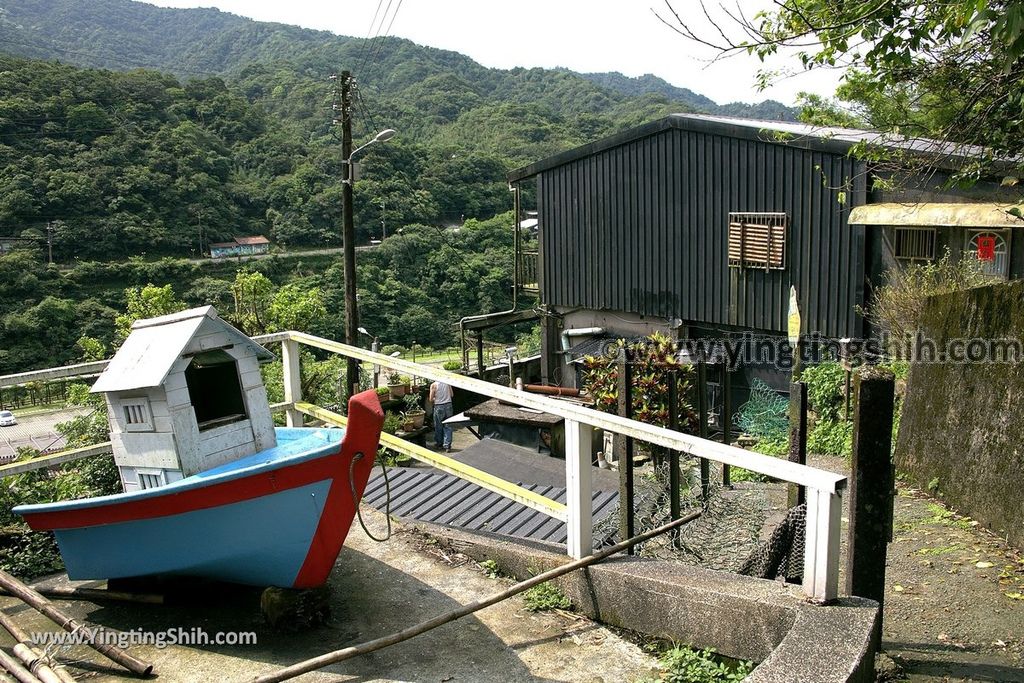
column 583, row 35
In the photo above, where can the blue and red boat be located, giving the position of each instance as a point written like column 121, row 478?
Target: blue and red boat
column 278, row 517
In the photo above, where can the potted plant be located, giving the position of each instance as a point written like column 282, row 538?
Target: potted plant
column 383, row 393
column 453, row 365
column 396, row 387
column 414, row 413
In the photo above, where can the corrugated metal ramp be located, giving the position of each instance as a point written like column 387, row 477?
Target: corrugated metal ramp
column 431, row 496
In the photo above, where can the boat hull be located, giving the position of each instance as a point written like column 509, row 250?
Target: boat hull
column 278, row 518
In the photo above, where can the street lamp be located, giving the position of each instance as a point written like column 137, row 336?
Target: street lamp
column 382, row 136
column 348, row 234
column 375, row 347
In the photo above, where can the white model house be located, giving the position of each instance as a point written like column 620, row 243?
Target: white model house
column 184, row 394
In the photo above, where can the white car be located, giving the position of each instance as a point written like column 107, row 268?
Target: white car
column 7, row 419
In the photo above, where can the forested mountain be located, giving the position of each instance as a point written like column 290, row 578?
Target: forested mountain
column 135, row 132
column 639, row 86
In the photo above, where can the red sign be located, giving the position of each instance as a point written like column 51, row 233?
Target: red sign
column 986, row 248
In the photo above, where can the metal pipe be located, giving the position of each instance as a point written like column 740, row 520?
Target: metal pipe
column 578, row 332
column 516, row 249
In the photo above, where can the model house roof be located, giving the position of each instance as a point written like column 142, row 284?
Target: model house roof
column 803, row 135
column 155, row 344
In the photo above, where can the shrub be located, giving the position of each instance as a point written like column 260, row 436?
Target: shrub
column 654, row 358
column 896, row 306
column 825, row 389
column 831, row 438
column 452, row 365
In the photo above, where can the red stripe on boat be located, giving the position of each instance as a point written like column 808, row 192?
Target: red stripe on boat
column 365, row 414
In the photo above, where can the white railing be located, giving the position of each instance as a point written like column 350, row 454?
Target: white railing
column 821, row 558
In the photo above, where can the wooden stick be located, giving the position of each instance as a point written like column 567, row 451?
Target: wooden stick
column 15, row 668
column 36, row 664
column 413, row 631
column 19, row 634
column 94, row 594
column 88, row 635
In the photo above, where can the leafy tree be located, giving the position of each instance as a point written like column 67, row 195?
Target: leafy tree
column 950, row 70
column 146, row 302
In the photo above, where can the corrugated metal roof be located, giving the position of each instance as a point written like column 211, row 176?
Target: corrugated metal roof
column 155, row 344
column 430, row 496
column 256, row 239
column 936, row 214
column 800, row 135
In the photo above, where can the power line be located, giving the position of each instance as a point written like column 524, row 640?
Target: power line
column 387, row 33
column 373, row 40
column 362, row 50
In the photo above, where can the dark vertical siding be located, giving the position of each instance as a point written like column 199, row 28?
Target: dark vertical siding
column 643, row 228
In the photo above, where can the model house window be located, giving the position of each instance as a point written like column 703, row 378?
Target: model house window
column 136, row 415
column 214, row 389
column 914, row 244
column 992, row 249
column 151, row 479
column 757, row 240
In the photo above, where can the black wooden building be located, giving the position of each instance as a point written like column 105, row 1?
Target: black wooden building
column 699, row 226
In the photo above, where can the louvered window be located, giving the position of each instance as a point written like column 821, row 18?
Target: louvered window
column 914, row 244
column 136, row 415
column 151, row 479
column 757, row 240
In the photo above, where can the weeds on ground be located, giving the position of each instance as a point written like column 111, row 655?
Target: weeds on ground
column 682, row 664
column 546, row 596
column 490, row 569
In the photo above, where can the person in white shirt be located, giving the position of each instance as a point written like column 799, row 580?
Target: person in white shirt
column 441, row 397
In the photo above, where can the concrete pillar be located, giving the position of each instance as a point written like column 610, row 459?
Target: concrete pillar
column 292, row 380
column 578, row 497
column 872, row 483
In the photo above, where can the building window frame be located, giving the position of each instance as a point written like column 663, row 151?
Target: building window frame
column 1000, row 267
column 757, row 240
column 914, row 244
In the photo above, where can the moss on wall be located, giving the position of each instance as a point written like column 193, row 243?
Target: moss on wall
column 962, row 431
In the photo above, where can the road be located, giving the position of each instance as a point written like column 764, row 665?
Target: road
column 282, row 254
column 35, row 431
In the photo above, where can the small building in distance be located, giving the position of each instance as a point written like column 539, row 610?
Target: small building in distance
column 240, row 246
column 184, row 393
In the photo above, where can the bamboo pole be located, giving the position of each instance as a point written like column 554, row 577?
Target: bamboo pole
column 44, row 606
column 19, row 634
column 93, row 594
column 380, row 643
column 14, row 667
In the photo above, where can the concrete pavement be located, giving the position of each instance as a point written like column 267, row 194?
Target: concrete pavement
column 35, row 431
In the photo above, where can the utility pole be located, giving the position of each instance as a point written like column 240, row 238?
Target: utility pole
column 49, row 241
column 348, row 233
column 383, row 226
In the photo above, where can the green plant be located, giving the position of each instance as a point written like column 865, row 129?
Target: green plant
column 825, row 383
column 405, row 379
column 452, row 365
column 896, row 306
column 392, row 421
column 394, row 378
column 546, row 596
column 413, row 402
column 383, row 391
column 773, row 445
column 831, row 438
column 654, row 358
column 490, row 568
column 687, row 665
